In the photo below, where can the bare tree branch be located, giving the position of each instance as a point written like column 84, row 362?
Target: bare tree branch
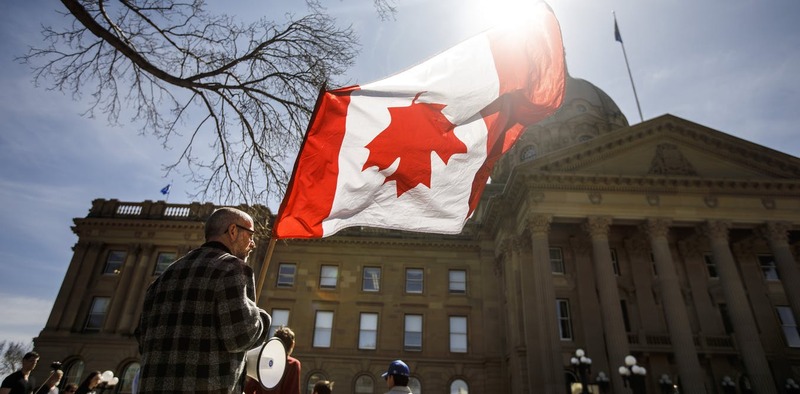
column 174, row 68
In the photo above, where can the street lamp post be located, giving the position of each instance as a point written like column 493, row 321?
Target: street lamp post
column 728, row 386
column 665, row 382
column 602, row 381
column 633, row 375
column 792, row 387
column 583, row 365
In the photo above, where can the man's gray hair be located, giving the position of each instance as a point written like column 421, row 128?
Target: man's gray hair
column 222, row 218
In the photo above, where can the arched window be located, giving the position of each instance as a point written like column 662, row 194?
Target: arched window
column 125, row 384
column 365, row 385
column 584, row 138
column 312, row 380
column 459, row 387
column 528, row 153
column 414, row 385
column 73, row 372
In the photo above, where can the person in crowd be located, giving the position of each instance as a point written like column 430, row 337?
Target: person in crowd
column 70, row 388
column 20, row 382
column 396, row 377
column 323, row 387
column 89, row 384
column 290, row 382
column 200, row 316
column 50, row 385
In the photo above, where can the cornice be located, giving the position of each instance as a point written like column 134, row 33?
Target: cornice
column 127, row 223
column 460, row 244
column 659, row 184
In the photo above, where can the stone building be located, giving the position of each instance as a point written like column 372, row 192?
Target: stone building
column 666, row 240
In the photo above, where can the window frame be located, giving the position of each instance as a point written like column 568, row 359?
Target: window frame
column 564, row 320
column 615, row 262
column 321, row 335
column 373, row 280
column 770, row 273
column 93, row 314
column 322, row 277
column 278, row 320
column 557, row 265
column 455, row 336
column 407, row 345
column 156, row 272
column 410, row 281
column 371, row 330
column 791, row 334
column 114, row 268
column 281, row 282
column 711, row 266
column 451, row 286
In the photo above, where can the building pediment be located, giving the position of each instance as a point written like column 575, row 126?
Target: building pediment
column 669, row 146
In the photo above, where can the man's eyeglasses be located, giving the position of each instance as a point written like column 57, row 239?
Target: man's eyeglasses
column 246, row 229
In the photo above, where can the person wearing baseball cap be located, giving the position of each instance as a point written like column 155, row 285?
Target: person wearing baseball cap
column 397, row 378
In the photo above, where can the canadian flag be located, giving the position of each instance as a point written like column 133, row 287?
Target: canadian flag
column 414, row 151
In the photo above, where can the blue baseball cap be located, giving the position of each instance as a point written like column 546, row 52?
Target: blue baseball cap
column 397, row 367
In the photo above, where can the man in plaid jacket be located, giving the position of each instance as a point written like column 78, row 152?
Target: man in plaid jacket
column 200, row 316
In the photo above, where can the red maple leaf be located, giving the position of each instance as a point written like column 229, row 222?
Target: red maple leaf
column 415, row 132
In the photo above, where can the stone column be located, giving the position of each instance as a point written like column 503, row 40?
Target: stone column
column 88, row 268
column 680, row 331
column 67, row 286
column 744, row 325
column 129, row 319
column 515, row 344
column 613, row 324
column 122, row 292
column 541, row 324
column 776, row 234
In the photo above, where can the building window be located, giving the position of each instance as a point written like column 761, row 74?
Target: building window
column 564, row 320
column 414, row 385
column 286, row 274
column 73, row 373
column 368, row 331
column 280, row 317
column 726, row 318
column 458, row 334
column 458, row 282
column 459, row 387
column 414, row 277
column 789, row 326
column 372, row 279
column 529, row 153
column 711, row 266
column 328, row 275
column 412, row 339
column 312, row 380
column 365, row 385
column 114, row 261
column 163, row 261
column 625, row 319
column 768, row 267
column 126, row 382
column 614, row 262
column 97, row 313
column 557, row 261
column 653, row 264
column 323, row 327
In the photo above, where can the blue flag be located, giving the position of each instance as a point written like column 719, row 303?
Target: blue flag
column 165, row 189
column 617, row 36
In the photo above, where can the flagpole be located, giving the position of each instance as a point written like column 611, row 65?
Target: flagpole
column 263, row 274
column 619, row 38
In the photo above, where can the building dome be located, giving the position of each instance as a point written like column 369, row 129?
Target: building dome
column 586, row 112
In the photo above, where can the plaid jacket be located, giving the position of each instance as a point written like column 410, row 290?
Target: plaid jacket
column 198, row 321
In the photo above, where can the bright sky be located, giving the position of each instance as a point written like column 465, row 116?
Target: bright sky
column 732, row 66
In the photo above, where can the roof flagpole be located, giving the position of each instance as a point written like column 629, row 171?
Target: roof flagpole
column 618, row 37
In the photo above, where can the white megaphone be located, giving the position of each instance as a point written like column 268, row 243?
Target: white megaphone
column 267, row 363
